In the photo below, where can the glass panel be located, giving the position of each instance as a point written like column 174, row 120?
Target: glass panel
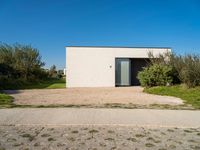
column 125, row 72
column 122, row 71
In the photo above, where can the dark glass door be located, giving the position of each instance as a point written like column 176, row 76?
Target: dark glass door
column 122, row 72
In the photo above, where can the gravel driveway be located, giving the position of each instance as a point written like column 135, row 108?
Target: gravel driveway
column 98, row 138
column 84, row 96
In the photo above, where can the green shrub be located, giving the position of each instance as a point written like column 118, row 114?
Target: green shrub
column 167, row 59
column 20, row 65
column 188, row 68
column 11, row 84
column 184, row 68
column 155, row 75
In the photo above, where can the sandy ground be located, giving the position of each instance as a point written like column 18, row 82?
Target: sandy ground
column 125, row 95
column 98, row 137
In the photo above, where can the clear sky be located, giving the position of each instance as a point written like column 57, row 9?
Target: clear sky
column 50, row 25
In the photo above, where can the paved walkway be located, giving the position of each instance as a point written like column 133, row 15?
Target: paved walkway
column 85, row 116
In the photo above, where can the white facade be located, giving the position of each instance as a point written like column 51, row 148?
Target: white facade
column 64, row 71
column 95, row 66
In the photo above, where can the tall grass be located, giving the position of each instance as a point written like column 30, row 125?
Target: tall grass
column 188, row 68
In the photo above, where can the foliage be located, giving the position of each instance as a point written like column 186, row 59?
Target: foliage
column 46, row 84
column 53, row 72
column 5, row 99
column 20, row 64
column 183, row 68
column 49, row 83
column 189, row 95
column 188, row 68
column 22, row 59
column 166, row 59
column 60, row 74
column 155, row 75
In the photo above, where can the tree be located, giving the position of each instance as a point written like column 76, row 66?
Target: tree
column 52, row 71
column 23, row 59
column 27, row 59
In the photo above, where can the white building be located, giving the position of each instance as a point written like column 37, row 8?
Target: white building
column 64, row 71
column 106, row 66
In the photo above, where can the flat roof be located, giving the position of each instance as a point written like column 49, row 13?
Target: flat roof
column 121, row 47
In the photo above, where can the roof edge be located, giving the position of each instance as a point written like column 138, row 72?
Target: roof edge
column 121, row 47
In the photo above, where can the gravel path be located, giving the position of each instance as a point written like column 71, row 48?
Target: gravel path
column 98, row 137
column 102, row 129
column 81, row 96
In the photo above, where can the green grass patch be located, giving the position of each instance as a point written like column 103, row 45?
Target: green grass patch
column 51, row 139
column 93, row 131
column 122, row 106
column 189, row 95
column 74, row 132
column 45, row 84
column 149, row 145
column 48, row 84
column 5, row 99
column 45, row 135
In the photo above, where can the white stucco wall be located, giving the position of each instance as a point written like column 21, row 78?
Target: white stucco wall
column 95, row 66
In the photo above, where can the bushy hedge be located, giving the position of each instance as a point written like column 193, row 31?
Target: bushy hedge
column 20, row 65
column 188, row 68
column 11, row 84
column 155, row 75
column 171, row 68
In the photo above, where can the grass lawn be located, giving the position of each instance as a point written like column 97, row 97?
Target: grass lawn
column 190, row 96
column 49, row 84
column 5, row 99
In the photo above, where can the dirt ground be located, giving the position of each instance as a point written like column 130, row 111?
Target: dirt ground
column 98, row 137
column 84, row 96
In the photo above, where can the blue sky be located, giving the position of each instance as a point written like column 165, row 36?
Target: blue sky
column 50, row 25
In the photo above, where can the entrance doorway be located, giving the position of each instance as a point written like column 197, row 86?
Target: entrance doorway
column 126, row 70
column 122, row 72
